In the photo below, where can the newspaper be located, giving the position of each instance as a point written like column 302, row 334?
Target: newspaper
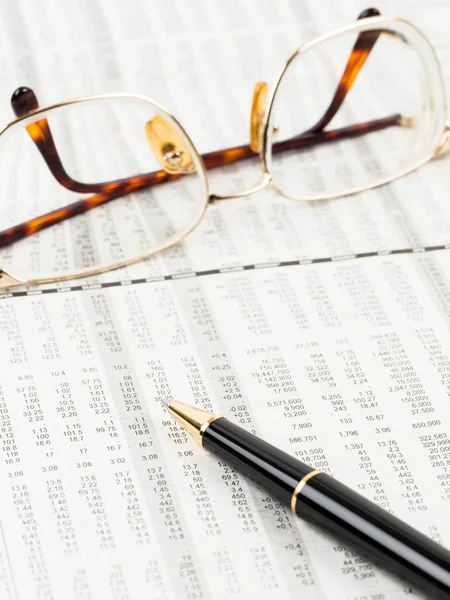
column 322, row 328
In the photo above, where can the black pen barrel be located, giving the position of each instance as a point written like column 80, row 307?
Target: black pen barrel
column 320, row 499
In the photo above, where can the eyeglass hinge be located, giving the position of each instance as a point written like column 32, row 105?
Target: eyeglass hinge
column 406, row 121
column 444, row 144
column 8, row 280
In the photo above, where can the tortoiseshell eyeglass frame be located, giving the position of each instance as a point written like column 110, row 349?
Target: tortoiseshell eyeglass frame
column 170, row 151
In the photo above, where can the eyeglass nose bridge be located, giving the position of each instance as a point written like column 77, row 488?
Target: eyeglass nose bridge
column 168, row 147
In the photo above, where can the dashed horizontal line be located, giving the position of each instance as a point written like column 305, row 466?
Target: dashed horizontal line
column 225, row 270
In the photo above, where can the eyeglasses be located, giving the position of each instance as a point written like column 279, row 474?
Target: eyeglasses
column 350, row 110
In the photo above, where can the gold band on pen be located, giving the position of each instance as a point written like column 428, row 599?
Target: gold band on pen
column 204, row 427
column 300, row 485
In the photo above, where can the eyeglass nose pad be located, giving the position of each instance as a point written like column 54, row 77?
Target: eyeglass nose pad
column 257, row 115
column 168, row 147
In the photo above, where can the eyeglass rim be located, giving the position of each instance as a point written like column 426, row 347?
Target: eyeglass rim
column 9, row 279
column 362, row 24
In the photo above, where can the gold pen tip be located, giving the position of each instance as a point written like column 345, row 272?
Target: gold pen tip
column 194, row 420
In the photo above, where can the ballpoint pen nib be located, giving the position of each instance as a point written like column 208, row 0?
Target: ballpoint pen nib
column 191, row 418
column 166, row 404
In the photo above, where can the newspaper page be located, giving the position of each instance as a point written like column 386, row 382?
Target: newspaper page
column 322, row 328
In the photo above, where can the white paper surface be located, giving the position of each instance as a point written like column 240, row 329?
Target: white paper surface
column 344, row 363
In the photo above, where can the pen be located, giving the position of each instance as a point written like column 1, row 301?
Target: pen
column 320, row 499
